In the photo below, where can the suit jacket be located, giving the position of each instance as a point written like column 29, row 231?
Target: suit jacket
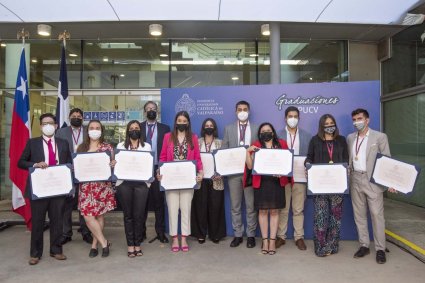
column 66, row 134
column 231, row 138
column 305, row 138
column 162, row 129
column 34, row 153
column 377, row 142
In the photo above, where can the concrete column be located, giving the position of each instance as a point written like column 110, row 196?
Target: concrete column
column 274, row 53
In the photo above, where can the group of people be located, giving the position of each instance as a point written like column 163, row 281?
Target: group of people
column 267, row 199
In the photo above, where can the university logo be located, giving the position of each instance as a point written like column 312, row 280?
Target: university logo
column 186, row 104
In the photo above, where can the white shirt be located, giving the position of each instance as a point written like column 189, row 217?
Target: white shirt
column 290, row 138
column 203, row 149
column 360, row 164
column 46, row 149
column 247, row 140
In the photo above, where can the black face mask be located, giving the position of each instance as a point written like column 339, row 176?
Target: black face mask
column 266, row 136
column 76, row 122
column 209, row 131
column 134, row 135
column 181, row 127
column 151, row 115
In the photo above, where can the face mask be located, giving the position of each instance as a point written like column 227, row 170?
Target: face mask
column 243, row 115
column 330, row 129
column 181, row 127
column 266, row 136
column 76, row 122
column 360, row 125
column 134, row 135
column 48, row 130
column 95, row 134
column 292, row 122
column 209, row 131
column 151, row 115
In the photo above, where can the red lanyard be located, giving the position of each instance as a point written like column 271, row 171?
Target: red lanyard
column 358, row 146
column 242, row 130
column 73, row 136
column 330, row 147
column 151, row 130
column 293, row 141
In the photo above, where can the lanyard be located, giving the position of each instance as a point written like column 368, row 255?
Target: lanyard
column 293, row 141
column 73, row 136
column 330, row 147
column 358, row 146
column 208, row 148
column 151, row 130
column 242, row 130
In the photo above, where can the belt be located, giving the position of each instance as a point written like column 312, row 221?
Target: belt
column 360, row 172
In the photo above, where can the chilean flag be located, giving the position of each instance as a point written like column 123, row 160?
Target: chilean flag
column 20, row 133
column 62, row 104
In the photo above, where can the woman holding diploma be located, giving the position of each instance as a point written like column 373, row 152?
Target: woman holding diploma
column 133, row 195
column 269, row 191
column 180, row 145
column 328, row 146
column 96, row 198
column 208, row 202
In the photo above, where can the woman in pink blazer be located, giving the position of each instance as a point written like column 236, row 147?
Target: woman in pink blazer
column 180, row 145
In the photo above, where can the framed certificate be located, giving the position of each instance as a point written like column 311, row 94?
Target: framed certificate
column 299, row 170
column 51, row 182
column 393, row 173
column 273, row 162
column 230, row 161
column 92, row 166
column 327, row 178
column 134, row 165
column 208, row 164
column 178, row 175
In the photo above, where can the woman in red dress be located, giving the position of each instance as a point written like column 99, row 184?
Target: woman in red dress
column 96, row 198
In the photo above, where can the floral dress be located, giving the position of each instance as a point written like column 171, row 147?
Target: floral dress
column 97, row 198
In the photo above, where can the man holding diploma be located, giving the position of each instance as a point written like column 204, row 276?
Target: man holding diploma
column 42, row 152
column 363, row 146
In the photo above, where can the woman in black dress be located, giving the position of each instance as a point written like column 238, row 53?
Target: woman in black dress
column 269, row 191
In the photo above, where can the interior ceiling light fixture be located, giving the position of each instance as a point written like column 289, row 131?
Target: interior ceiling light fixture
column 265, row 29
column 155, row 29
column 44, row 30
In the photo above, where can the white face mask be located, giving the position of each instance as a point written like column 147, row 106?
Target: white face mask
column 292, row 122
column 48, row 130
column 95, row 134
column 243, row 116
column 360, row 125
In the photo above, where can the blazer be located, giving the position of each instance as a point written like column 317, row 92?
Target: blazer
column 66, row 134
column 167, row 152
column 256, row 179
column 217, row 183
column 304, row 136
column 162, row 129
column 34, row 153
column 317, row 151
column 377, row 142
column 231, row 138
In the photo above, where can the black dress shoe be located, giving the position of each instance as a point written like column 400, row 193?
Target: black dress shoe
column 65, row 239
column 162, row 238
column 201, row 241
column 105, row 250
column 88, row 238
column 93, row 253
column 215, row 241
column 362, row 252
column 236, row 242
column 380, row 257
column 250, row 243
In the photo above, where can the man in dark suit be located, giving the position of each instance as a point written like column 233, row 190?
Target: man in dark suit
column 74, row 135
column 153, row 132
column 42, row 152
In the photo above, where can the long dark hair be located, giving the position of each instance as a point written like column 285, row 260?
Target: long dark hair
column 321, row 130
column 84, row 147
column 127, row 137
column 275, row 139
column 188, row 131
column 215, row 133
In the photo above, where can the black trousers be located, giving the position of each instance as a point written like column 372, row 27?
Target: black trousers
column 71, row 204
column 133, row 197
column 54, row 208
column 207, row 216
column 156, row 202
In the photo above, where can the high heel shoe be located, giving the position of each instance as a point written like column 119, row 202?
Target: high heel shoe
column 184, row 248
column 105, row 250
column 175, row 249
column 272, row 252
column 263, row 250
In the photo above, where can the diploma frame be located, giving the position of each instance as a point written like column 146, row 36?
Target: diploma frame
column 299, row 177
column 207, row 158
column 69, row 181
column 415, row 170
column 190, row 163
column 76, row 176
column 311, row 189
column 257, row 170
column 218, row 166
column 148, row 154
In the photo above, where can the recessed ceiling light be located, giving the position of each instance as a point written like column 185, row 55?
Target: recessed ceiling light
column 44, row 30
column 34, row 60
column 73, row 55
column 105, row 59
column 235, row 78
column 311, row 78
column 122, row 75
column 253, row 55
column 265, row 29
column 155, row 29
column 3, row 45
column 163, row 55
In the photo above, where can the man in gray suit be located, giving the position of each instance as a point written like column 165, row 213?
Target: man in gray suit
column 295, row 194
column 75, row 135
column 241, row 133
column 363, row 146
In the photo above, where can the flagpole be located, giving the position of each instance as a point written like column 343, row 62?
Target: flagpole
column 22, row 35
column 62, row 104
column 64, row 36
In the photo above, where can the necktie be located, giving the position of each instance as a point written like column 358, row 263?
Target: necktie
column 150, row 133
column 52, row 155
